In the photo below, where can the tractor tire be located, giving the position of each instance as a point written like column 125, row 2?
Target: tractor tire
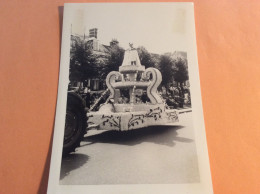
column 75, row 124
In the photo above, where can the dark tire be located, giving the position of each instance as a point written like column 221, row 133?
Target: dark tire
column 75, row 124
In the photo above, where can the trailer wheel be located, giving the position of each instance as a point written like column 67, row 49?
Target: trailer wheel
column 75, row 124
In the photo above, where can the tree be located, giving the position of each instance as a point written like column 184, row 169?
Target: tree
column 180, row 75
column 146, row 58
column 82, row 62
column 114, row 59
column 166, row 66
column 173, row 69
column 180, row 71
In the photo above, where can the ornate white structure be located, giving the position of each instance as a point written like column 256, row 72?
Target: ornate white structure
column 136, row 102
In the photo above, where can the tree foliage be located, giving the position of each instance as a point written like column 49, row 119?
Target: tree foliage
column 173, row 69
column 146, row 58
column 166, row 66
column 180, row 73
column 82, row 62
column 114, row 60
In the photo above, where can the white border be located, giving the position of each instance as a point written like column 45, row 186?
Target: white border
column 205, row 185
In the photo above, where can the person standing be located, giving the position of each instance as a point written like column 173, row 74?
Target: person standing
column 87, row 97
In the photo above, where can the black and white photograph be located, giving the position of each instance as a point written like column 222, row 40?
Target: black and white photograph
column 129, row 110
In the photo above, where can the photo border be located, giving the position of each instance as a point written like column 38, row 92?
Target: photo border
column 205, row 185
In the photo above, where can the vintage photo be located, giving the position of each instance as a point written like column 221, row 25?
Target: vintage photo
column 130, row 108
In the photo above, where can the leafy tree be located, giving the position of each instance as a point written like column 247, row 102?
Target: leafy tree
column 146, row 58
column 166, row 66
column 82, row 62
column 173, row 69
column 180, row 74
column 113, row 60
column 114, row 42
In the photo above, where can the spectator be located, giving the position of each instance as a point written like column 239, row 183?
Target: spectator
column 87, row 97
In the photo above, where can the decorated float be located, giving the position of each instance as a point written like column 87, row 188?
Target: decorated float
column 134, row 101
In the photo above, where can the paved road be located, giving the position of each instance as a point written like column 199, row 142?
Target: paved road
column 153, row 155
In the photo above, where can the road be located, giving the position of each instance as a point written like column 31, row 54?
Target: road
column 153, row 155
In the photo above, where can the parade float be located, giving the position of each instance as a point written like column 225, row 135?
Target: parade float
column 134, row 101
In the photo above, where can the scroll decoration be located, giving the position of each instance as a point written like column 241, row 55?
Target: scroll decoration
column 154, row 83
column 141, row 118
column 110, row 80
column 113, row 121
column 173, row 116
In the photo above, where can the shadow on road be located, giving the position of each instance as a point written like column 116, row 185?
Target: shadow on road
column 162, row 135
column 72, row 162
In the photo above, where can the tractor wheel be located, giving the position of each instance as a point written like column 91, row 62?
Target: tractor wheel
column 75, row 124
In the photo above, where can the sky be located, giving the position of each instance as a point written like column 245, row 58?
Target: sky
column 159, row 27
